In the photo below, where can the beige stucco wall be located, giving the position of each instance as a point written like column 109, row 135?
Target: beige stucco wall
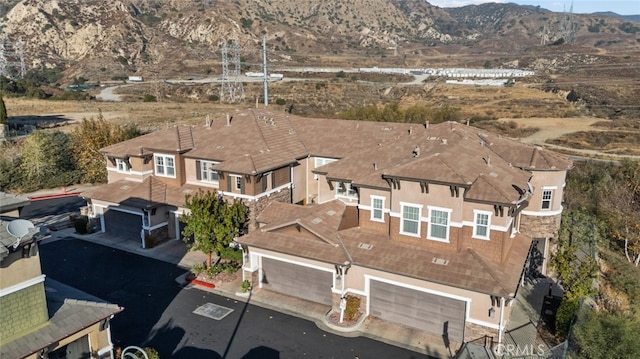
column 14, row 269
column 301, row 176
column 139, row 170
column 356, row 282
column 549, row 179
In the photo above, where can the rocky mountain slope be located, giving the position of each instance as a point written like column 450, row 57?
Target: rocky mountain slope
column 157, row 37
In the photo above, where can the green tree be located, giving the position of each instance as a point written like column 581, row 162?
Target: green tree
column 574, row 265
column 3, row 112
column 212, row 222
column 88, row 138
column 47, row 160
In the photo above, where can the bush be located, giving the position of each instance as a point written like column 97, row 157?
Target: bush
column 280, row 101
column 214, row 98
column 80, row 224
column 353, row 307
column 231, row 254
column 149, row 98
column 564, row 316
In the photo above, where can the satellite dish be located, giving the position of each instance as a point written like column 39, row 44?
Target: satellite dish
column 19, row 228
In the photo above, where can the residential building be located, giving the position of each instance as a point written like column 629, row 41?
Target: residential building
column 41, row 318
column 430, row 225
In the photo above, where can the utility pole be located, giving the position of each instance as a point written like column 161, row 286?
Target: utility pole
column 264, row 70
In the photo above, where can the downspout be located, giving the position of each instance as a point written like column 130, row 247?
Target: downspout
column 501, row 324
column 293, row 185
column 306, row 181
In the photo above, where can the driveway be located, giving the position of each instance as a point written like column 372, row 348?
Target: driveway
column 159, row 312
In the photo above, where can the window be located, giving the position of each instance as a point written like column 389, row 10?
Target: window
column 165, row 166
column 238, row 183
column 547, row 195
column 377, row 207
column 319, row 161
column 122, row 166
column 345, row 191
column 482, row 224
column 206, row 173
column 410, row 220
column 439, row 225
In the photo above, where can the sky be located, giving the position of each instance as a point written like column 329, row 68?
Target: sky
column 622, row 7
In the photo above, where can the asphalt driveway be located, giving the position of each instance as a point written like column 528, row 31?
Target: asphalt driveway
column 159, row 312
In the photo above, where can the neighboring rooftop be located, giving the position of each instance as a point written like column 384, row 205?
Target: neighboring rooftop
column 70, row 311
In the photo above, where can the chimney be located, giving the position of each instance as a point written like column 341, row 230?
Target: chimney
column 375, row 166
column 416, row 151
column 410, row 130
column 426, row 124
column 228, row 120
column 488, row 160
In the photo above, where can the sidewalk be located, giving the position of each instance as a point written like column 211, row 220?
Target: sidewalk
column 175, row 252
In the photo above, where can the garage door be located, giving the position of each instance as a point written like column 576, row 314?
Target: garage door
column 424, row 311
column 123, row 224
column 298, row 281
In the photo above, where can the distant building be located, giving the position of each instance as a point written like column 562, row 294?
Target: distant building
column 42, row 318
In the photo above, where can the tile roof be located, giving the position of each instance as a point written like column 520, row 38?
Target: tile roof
column 447, row 154
column 67, row 316
column 466, row 269
column 308, row 232
column 260, row 140
column 151, row 192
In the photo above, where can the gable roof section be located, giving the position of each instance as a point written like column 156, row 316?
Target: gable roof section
column 149, row 193
column 447, row 154
column 308, row 232
column 533, row 158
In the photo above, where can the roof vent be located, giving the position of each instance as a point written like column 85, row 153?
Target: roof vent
column 416, row 151
column 443, row 141
column 331, row 212
column 366, row 246
column 316, row 220
column 440, row 261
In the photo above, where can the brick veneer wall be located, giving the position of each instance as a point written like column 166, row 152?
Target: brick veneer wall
column 540, row 226
column 473, row 332
column 256, row 207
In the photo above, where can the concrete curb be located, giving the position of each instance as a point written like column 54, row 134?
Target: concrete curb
column 56, row 195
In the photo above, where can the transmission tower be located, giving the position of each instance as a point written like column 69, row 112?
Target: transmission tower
column 12, row 58
column 232, row 90
column 568, row 26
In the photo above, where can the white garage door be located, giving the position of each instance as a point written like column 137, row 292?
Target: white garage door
column 296, row 280
column 424, row 311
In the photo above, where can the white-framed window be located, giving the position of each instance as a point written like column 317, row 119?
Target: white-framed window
column 482, row 224
column 237, row 182
column 547, row 196
column 439, row 224
column 320, row 161
column 206, row 173
column 165, row 165
column 377, row 209
column 122, row 166
column 410, row 222
column 345, row 191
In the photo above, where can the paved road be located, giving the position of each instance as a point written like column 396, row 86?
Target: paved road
column 53, row 206
column 159, row 312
